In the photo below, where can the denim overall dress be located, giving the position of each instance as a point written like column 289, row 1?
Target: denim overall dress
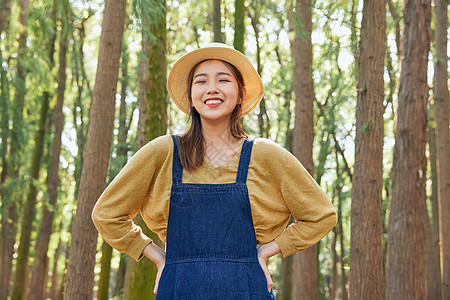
column 211, row 244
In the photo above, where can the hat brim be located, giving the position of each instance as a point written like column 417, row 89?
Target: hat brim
column 178, row 75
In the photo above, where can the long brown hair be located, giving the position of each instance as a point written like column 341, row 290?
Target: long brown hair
column 191, row 146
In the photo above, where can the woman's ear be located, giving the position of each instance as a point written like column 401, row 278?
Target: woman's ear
column 244, row 94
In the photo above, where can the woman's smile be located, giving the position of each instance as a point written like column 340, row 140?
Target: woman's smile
column 213, row 102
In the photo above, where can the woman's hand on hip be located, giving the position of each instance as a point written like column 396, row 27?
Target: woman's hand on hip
column 265, row 251
column 158, row 256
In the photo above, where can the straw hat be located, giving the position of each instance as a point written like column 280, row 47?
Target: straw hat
column 178, row 76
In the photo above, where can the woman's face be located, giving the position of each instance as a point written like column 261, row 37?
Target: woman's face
column 215, row 90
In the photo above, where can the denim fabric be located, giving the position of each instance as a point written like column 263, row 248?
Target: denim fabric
column 211, row 245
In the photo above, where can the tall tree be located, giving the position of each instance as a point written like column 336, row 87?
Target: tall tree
column 262, row 114
column 406, row 272
column 441, row 102
column 217, row 21
column 38, row 282
column 366, row 249
column 20, row 278
column 153, row 102
column 433, row 244
column 7, row 229
column 80, row 277
column 9, row 217
column 239, row 26
column 305, row 281
column 120, row 161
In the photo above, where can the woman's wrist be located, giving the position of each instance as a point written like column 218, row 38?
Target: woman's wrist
column 266, row 251
column 155, row 254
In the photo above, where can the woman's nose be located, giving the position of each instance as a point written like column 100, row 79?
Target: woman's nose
column 212, row 88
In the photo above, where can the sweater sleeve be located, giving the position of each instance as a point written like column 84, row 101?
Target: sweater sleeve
column 314, row 214
column 121, row 201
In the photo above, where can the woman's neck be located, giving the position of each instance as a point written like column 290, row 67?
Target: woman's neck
column 218, row 134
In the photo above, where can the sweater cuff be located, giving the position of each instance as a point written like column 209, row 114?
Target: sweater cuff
column 285, row 244
column 137, row 246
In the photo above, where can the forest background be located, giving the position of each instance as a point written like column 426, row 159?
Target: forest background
column 357, row 90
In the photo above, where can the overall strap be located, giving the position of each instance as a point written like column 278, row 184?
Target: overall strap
column 177, row 167
column 244, row 161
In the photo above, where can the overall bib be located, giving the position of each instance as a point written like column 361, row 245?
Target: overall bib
column 211, row 244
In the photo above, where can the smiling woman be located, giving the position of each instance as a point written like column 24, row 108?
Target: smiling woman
column 213, row 194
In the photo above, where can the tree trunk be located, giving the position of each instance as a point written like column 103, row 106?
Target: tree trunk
column 20, row 275
column 120, row 277
column 344, row 292
column 441, row 102
column 53, row 294
column 366, row 248
column 80, row 277
column 7, row 228
column 239, row 27
column 153, row 102
column 262, row 114
column 434, row 270
column 78, row 107
column 217, row 21
column 397, row 19
column 5, row 6
column 406, row 271
column 103, row 285
column 286, row 278
column 305, row 281
column 334, row 279
column 153, row 99
column 38, row 285
column 121, row 159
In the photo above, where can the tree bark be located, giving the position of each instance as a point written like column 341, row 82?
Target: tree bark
column 121, row 159
column 239, row 27
column 80, row 277
column 366, row 249
column 217, row 21
column 441, row 102
column 153, row 102
column 305, row 280
column 406, row 271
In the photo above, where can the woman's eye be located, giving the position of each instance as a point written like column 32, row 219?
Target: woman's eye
column 200, row 82
column 224, row 80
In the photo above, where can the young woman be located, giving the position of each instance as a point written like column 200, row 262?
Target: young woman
column 213, row 194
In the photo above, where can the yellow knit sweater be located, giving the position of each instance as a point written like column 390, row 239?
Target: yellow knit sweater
column 278, row 186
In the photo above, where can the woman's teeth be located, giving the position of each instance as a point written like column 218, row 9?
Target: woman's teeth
column 213, row 102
